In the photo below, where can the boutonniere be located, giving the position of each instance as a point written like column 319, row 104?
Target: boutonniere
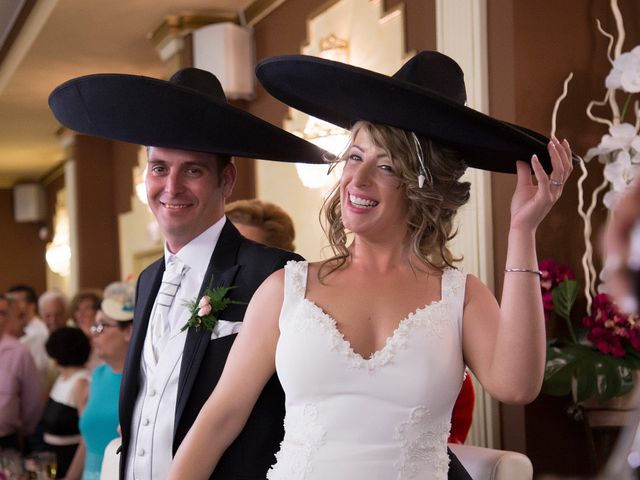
column 206, row 309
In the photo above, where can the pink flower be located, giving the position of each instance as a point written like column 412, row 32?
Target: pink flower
column 205, row 309
column 205, row 300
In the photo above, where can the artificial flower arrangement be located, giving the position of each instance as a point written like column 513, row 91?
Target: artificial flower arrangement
column 599, row 352
column 205, row 310
column 601, row 349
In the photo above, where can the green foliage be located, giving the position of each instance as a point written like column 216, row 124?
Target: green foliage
column 586, row 372
column 577, row 367
column 564, row 296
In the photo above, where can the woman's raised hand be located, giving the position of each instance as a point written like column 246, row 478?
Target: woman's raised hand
column 531, row 202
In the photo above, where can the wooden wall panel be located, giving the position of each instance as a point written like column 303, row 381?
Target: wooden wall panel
column 22, row 250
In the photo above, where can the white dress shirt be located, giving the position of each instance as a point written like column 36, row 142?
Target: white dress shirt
column 150, row 447
column 34, row 338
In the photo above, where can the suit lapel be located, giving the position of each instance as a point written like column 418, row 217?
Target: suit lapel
column 223, row 269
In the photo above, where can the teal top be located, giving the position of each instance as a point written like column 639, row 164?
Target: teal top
column 99, row 421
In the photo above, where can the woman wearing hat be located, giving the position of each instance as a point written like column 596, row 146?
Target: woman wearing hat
column 371, row 345
column 99, row 420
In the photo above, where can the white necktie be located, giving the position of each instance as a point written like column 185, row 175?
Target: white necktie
column 160, row 323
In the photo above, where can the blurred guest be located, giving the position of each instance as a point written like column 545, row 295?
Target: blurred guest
column 263, row 222
column 99, row 420
column 83, row 309
column 621, row 249
column 28, row 328
column 21, row 398
column 70, row 348
column 52, row 306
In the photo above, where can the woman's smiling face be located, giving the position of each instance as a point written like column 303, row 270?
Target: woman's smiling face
column 373, row 201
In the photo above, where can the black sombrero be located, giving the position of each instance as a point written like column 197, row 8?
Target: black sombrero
column 426, row 96
column 188, row 112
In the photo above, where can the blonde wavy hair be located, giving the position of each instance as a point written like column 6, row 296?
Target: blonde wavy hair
column 431, row 209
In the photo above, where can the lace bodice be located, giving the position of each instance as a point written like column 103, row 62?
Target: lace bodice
column 383, row 417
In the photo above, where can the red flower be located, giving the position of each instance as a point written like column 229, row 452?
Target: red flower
column 610, row 330
column 553, row 274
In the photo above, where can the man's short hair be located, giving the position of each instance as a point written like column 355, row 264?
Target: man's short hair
column 30, row 296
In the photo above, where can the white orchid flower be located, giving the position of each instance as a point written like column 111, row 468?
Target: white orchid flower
column 625, row 73
column 622, row 136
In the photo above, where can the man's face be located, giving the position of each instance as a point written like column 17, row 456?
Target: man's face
column 12, row 318
column 185, row 192
column 21, row 301
column 53, row 314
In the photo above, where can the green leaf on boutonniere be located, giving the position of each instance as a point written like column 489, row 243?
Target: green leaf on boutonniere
column 205, row 310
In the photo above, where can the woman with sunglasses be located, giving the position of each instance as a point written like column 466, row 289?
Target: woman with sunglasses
column 99, row 421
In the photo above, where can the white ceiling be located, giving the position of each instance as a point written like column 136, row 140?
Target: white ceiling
column 62, row 39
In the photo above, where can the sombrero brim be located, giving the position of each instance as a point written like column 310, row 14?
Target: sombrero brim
column 152, row 112
column 343, row 94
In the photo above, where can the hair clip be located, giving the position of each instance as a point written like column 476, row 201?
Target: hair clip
column 426, row 174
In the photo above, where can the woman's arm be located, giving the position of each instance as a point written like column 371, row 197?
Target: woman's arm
column 77, row 464
column 505, row 345
column 81, row 394
column 250, row 364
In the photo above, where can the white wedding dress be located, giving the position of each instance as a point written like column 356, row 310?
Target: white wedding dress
column 382, row 418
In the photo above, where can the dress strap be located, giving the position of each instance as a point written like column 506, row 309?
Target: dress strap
column 453, row 288
column 295, row 284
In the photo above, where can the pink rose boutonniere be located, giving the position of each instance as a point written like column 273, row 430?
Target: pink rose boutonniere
column 205, row 311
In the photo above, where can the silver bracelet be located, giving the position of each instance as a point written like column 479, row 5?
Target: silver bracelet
column 524, row 270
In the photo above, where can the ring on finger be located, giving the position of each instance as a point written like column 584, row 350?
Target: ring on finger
column 555, row 183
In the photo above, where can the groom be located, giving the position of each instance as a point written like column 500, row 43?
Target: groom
column 191, row 132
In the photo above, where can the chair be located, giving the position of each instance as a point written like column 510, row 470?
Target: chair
column 111, row 461
column 491, row 464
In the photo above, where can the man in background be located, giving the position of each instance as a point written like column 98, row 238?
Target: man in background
column 29, row 328
column 52, row 306
column 22, row 397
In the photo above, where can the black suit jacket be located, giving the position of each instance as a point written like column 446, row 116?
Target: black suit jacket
column 236, row 262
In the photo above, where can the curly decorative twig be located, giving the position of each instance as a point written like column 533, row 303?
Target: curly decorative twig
column 610, row 37
column 556, row 106
column 619, row 26
column 586, row 232
column 600, row 103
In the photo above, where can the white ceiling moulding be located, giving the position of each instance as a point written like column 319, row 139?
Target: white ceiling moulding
column 28, row 33
column 9, row 13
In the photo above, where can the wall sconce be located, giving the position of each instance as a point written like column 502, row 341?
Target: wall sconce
column 139, row 174
column 324, row 134
column 58, row 256
column 58, row 251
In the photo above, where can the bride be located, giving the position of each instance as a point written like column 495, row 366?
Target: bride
column 371, row 345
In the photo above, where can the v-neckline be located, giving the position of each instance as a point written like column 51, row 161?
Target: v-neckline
column 390, row 339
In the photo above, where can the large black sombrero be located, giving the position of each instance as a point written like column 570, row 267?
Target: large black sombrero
column 188, row 112
column 426, row 96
